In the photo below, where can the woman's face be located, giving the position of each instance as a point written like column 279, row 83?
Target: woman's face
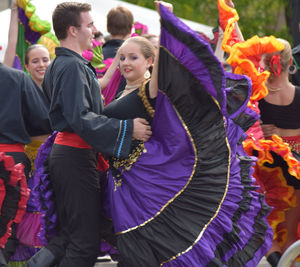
column 133, row 63
column 38, row 61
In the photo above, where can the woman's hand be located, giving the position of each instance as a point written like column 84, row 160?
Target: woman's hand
column 165, row 4
column 229, row 3
column 269, row 129
column 14, row 4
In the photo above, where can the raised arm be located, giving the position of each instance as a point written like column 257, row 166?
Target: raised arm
column 153, row 86
column 236, row 25
column 10, row 51
column 103, row 82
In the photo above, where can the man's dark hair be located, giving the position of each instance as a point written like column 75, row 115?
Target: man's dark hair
column 119, row 21
column 67, row 14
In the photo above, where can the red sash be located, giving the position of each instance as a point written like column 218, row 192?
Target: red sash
column 12, row 147
column 74, row 140
column 71, row 139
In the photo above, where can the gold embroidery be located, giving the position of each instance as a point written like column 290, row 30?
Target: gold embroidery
column 145, row 100
column 294, row 145
column 127, row 163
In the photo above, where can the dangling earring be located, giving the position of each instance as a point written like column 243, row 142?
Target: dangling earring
column 147, row 74
column 292, row 69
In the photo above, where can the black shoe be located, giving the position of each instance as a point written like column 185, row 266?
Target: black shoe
column 43, row 258
column 3, row 262
column 274, row 258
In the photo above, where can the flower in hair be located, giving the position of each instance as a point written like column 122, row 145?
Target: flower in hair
column 275, row 64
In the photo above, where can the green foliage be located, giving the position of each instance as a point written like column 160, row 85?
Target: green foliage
column 264, row 18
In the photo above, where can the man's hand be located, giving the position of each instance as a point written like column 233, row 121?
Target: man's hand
column 141, row 130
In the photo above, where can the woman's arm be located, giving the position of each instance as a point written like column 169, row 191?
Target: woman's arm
column 10, row 51
column 219, row 52
column 153, row 86
column 103, row 82
column 236, row 25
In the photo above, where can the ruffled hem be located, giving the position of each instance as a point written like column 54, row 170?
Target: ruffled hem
column 28, row 229
column 245, row 56
column 202, row 209
column 14, row 195
column 227, row 17
column 22, row 254
column 270, row 175
column 42, row 192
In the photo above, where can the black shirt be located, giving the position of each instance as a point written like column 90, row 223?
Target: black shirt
column 24, row 109
column 284, row 117
column 111, row 47
column 71, row 85
column 130, row 106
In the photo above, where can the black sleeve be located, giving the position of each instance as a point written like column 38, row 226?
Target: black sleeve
column 35, row 108
column 77, row 101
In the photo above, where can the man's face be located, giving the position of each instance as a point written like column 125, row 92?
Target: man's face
column 86, row 31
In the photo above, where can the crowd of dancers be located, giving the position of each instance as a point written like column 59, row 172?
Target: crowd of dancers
column 154, row 150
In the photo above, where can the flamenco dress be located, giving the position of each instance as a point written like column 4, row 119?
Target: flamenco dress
column 277, row 161
column 13, row 195
column 187, row 196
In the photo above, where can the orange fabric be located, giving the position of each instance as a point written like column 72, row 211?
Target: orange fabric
column 245, row 56
column 71, row 139
column 272, row 182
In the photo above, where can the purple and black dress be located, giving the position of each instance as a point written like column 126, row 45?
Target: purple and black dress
column 186, row 197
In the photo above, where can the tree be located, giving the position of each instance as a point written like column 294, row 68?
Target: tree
column 264, row 18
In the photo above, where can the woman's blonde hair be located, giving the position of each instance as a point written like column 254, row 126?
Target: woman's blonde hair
column 146, row 46
column 284, row 55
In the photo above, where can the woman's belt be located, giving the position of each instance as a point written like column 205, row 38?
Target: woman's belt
column 293, row 141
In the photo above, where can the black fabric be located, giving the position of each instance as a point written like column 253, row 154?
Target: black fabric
column 274, row 258
column 71, row 85
column 215, row 72
column 295, row 21
column 295, row 78
column 75, row 180
column 43, row 258
column 121, row 86
column 236, row 93
column 11, row 244
column 3, row 262
column 284, row 117
column 111, row 47
column 129, row 107
column 24, row 108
